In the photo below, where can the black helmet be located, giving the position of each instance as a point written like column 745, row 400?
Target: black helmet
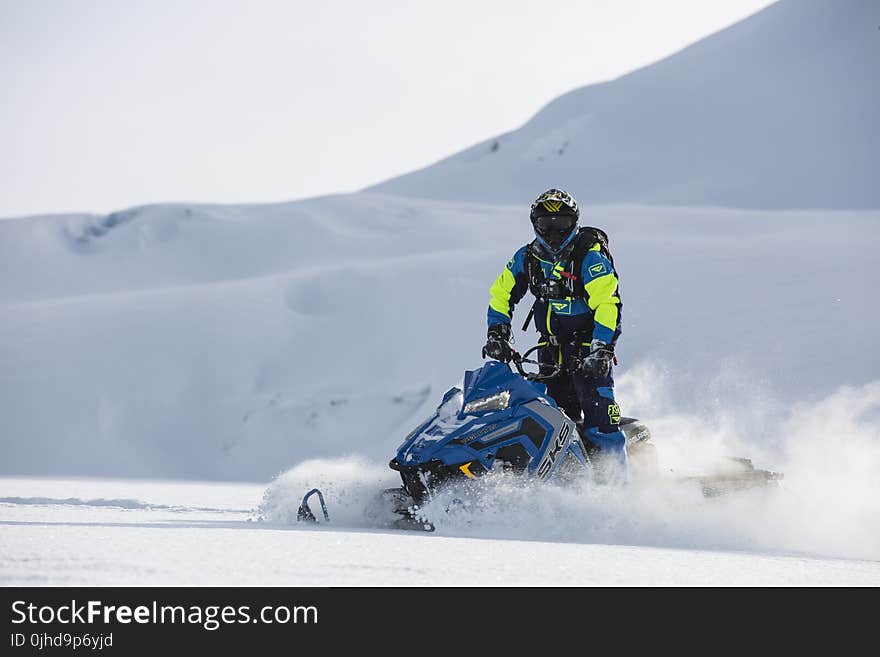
column 554, row 215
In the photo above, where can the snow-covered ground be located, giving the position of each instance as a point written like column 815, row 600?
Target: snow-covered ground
column 138, row 532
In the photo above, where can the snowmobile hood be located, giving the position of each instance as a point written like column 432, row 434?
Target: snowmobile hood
column 494, row 377
column 453, row 436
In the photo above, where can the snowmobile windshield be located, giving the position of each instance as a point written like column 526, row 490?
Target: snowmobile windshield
column 554, row 228
column 495, row 382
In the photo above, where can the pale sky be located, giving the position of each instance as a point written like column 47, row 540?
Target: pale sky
column 105, row 104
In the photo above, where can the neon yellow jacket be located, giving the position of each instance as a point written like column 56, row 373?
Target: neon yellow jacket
column 592, row 306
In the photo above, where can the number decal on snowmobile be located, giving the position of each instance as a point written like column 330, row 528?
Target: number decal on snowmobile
column 558, row 446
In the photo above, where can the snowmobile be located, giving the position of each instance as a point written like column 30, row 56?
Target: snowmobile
column 503, row 419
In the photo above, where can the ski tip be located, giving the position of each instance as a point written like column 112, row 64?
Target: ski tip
column 304, row 512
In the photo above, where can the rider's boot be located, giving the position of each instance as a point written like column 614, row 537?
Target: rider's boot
column 607, row 451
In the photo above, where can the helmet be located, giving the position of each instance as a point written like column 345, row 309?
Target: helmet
column 554, row 216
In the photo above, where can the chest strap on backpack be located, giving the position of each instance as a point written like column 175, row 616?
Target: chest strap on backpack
column 529, row 316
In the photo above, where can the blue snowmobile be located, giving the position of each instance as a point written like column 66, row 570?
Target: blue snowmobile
column 504, row 420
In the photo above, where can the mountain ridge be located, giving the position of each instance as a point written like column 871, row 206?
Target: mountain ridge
column 777, row 111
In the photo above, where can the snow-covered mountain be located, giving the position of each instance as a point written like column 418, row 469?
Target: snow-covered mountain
column 233, row 342
column 777, row 111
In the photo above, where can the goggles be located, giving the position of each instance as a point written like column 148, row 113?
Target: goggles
column 554, row 223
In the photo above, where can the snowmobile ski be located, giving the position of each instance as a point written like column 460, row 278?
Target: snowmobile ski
column 304, row 513
column 403, row 505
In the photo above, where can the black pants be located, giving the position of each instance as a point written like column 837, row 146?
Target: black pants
column 588, row 401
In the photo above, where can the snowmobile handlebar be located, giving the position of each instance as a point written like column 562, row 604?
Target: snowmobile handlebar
column 553, row 370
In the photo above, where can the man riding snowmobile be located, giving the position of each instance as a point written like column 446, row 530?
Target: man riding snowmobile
column 501, row 419
column 570, row 272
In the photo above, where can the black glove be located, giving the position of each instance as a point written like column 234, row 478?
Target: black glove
column 498, row 343
column 597, row 364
